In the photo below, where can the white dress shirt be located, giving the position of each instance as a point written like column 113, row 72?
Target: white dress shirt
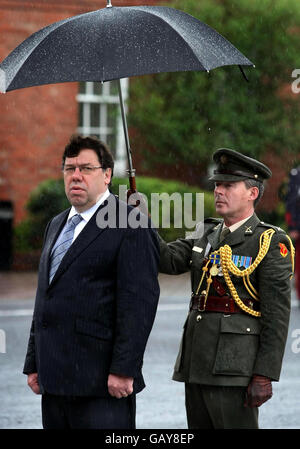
column 235, row 225
column 87, row 214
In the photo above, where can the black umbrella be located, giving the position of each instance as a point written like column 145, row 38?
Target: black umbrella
column 113, row 43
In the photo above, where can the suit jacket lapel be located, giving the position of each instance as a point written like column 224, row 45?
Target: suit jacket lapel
column 55, row 229
column 84, row 239
column 57, row 225
column 214, row 237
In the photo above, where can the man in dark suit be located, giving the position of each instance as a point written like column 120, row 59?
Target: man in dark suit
column 96, row 301
column 235, row 333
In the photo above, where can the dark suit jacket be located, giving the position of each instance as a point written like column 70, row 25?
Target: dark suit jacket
column 96, row 315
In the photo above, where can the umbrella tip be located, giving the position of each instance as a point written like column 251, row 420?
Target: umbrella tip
column 2, row 81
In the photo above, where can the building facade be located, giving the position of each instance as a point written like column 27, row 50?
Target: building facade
column 37, row 122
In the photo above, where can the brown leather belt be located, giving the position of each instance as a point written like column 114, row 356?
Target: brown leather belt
column 225, row 304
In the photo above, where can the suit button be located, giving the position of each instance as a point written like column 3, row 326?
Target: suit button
column 44, row 324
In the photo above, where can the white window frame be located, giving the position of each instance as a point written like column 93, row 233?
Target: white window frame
column 87, row 99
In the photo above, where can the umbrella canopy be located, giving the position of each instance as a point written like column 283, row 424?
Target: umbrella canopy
column 114, row 43
column 117, row 42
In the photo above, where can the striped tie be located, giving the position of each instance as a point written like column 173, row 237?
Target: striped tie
column 62, row 244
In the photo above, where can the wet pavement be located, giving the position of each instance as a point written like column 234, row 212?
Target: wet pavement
column 161, row 404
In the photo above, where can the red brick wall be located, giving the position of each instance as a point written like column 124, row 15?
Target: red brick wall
column 35, row 123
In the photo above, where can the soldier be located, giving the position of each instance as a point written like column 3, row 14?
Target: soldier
column 235, row 333
column 292, row 202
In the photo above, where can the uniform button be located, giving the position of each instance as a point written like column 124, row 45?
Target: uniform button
column 199, row 317
column 248, row 329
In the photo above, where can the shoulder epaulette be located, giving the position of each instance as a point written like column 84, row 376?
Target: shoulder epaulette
column 268, row 225
column 207, row 223
column 212, row 222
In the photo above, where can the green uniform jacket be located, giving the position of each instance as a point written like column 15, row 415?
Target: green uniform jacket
column 223, row 349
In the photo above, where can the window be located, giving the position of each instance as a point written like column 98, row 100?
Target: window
column 100, row 116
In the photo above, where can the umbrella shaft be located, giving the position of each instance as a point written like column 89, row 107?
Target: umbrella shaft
column 125, row 127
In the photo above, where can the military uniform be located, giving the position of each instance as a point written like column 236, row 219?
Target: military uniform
column 237, row 325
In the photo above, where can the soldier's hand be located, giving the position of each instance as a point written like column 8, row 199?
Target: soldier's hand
column 259, row 391
column 120, row 386
column 32, row 381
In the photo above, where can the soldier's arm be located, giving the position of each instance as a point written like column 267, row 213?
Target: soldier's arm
column 175, row 256
column 274, row 273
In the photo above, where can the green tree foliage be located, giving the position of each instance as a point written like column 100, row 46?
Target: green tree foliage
column 45, row 201
column 185, row 116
